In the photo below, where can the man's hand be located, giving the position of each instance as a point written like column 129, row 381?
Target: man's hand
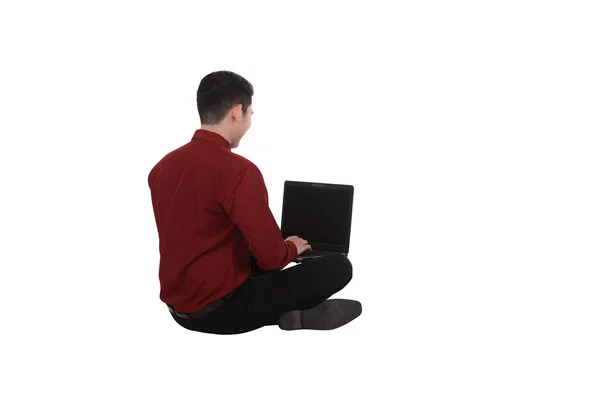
column 301, row 244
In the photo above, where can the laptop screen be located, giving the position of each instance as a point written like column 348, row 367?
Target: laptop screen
column 320, row 215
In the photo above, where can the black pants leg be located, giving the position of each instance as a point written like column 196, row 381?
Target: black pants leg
column 266, row 295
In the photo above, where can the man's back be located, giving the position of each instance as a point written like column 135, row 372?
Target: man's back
column 211, row 206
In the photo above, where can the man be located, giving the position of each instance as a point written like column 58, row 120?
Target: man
column 221, row 251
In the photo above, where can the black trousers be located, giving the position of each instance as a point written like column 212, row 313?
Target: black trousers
column 267, row 294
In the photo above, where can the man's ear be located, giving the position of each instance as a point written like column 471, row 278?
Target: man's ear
column 237, row 112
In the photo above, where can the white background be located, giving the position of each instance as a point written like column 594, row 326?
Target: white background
column 468, row 128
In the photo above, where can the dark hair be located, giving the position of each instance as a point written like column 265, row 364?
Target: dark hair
column 218, row 92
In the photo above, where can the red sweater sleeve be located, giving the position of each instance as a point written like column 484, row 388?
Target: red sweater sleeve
column 247, row 204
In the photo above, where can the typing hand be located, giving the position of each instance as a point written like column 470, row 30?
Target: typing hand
column 301, row 244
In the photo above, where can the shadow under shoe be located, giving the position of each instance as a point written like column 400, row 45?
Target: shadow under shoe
column 330, row 314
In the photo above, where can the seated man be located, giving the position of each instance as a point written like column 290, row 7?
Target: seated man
column 222, row 255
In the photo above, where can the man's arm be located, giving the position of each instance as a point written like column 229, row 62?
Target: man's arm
column 248, row 207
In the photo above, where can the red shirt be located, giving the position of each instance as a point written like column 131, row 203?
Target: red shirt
column 211, row 208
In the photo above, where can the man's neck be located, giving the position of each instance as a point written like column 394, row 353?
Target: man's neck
column 218, row 130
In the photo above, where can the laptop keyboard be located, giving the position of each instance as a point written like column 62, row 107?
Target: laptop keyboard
column 312, row 254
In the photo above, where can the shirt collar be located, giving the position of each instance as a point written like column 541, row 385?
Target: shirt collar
column 212, row 137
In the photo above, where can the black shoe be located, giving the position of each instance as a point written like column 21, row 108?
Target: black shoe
column 330, row 314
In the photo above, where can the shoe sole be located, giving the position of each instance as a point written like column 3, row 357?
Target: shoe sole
column 331, row 314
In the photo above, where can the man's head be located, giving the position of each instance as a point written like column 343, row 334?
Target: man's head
column 225, row 105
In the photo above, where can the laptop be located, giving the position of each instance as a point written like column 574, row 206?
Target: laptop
column 320, row 213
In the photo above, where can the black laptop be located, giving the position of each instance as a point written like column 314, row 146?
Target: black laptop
column 321, row 213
